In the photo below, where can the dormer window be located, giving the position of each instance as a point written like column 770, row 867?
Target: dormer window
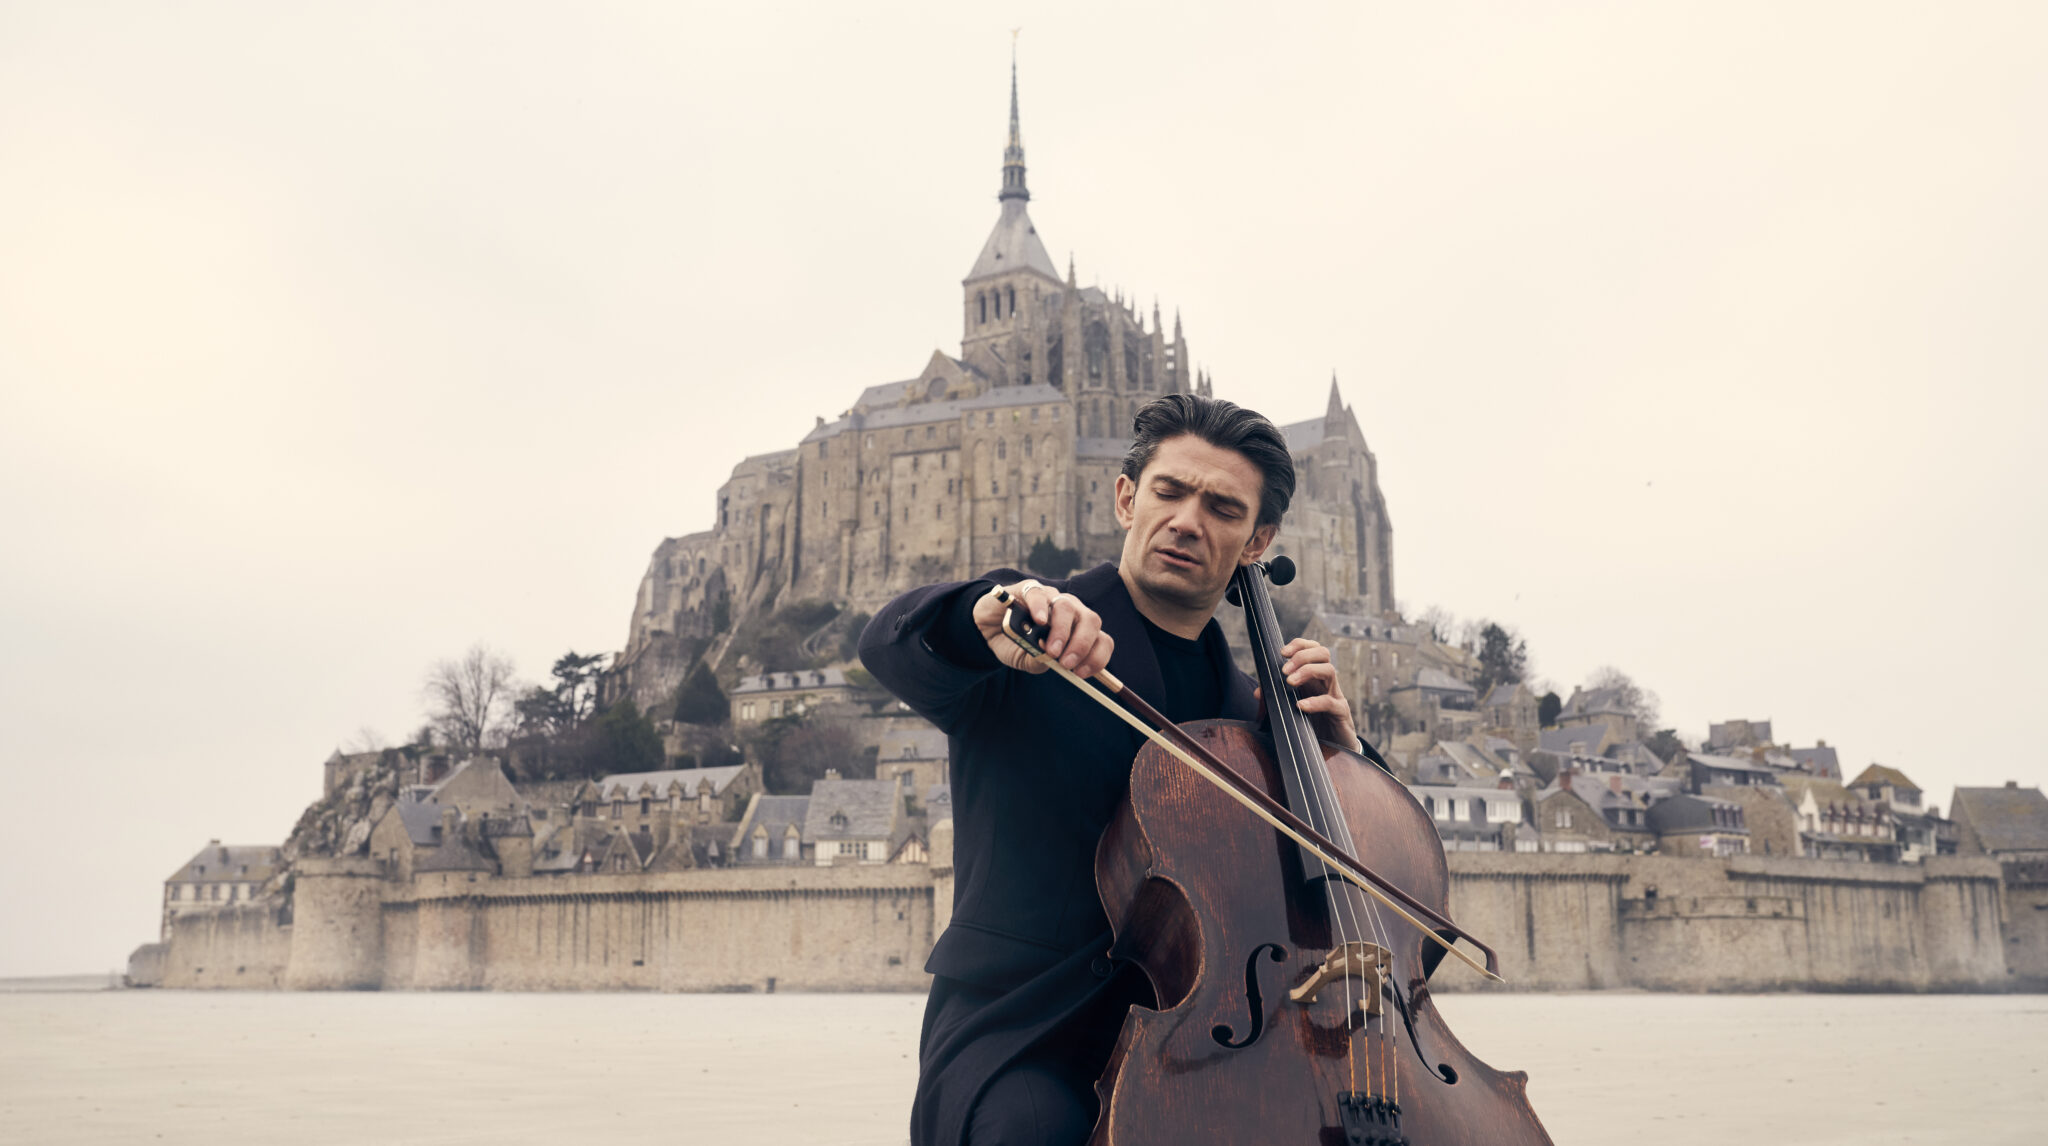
column 839, row 820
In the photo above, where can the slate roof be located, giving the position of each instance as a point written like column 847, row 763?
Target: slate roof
column 776, row 814
column 420, row 818
column 628, row 785
column 912, row 744
column 1587, row 702
column 2005, row 819
column 1560, row 740
column 1692, row 813
column 1820, row 760
column 938, row 802
column 792, row 681
column 1879, row 774
column 1730, row 763
column 218, row 863
column 1013, row 246
column 1501, row 694
column 869, row 806
column 1369, row 628
column 453, row 854
column 1101, row 449
column 1440, row 681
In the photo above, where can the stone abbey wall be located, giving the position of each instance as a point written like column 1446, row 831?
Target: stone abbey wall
column 1559, row 922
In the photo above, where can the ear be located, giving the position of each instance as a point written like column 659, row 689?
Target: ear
column 1256, row 547
column 1126, row 500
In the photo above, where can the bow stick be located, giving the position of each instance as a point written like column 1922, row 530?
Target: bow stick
column 1140, row 715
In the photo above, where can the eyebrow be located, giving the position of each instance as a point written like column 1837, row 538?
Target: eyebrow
column 1213, row 497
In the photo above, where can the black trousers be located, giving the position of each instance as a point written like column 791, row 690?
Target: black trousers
column 1045, row 1096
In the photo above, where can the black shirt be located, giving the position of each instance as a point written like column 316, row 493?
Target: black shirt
column 1193, row 687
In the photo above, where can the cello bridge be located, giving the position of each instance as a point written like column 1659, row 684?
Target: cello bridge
column 1369, row 963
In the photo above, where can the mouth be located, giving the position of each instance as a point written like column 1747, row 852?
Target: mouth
column 1178, row 558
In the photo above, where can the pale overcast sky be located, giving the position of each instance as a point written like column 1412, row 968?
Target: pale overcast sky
column 1704, row 340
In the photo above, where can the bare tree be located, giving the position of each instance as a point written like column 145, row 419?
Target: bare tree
column 1640, row 702
column 469, row 698
column 366, row 739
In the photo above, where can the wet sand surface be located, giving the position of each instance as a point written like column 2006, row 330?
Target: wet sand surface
column 198, row 1067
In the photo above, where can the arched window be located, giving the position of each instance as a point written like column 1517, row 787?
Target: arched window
column 999, row 302
column 1013, row 302
column 1027, row 442
column 1002, row 448
column 983, row 299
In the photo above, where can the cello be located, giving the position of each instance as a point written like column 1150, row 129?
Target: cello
column 1289, row 951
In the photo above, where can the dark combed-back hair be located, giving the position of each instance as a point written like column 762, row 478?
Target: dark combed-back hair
column 1224, row 425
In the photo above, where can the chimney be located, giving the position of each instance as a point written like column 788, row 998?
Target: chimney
column 1614, row 783
column 2012, row 784
column 451, row 822
column 833, row 774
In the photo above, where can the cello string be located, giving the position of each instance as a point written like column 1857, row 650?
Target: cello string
column 1325, row 799
column 1320, row 816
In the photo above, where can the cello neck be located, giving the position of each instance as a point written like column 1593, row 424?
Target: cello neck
column 1304, row 774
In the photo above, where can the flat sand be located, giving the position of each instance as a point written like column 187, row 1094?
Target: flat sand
column 1673, row 1070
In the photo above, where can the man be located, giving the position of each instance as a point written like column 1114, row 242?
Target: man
column 1026, row 999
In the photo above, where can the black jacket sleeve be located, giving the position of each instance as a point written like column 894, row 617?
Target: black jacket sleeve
column 918, row 646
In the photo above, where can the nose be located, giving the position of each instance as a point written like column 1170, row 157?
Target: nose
column 1186, row 520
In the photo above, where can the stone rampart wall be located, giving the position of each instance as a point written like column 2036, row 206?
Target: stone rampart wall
column 829, row 929
column 1559, row 922
column 1573, row 922
column 228, row 948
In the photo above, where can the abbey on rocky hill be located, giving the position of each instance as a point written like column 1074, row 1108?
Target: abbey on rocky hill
column 978, row 459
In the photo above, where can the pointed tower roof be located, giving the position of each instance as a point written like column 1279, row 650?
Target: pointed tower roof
column 1336, row 406
column 1014, row 244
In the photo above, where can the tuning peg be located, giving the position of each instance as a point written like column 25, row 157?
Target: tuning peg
column 1280, row 570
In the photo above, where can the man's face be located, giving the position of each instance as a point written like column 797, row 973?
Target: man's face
column 1191, row 518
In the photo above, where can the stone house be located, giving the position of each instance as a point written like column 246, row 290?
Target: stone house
column 770, row 831
column 1437, row 703
column 1712, row 771
column 772, row 695
column 2010, row 823
column 1564, row 822
column 1624, row 803
column 915, row 758
column 219, row 875
column 1768, row 813
column 704, row 795
column 1730, row 735
column 1838, row 823
column 1699, row 827
column 1920, row 828
column 1471, row 818
column 854, row 821
column 1589, row 706
column 1372, row 655
column 1509, row 712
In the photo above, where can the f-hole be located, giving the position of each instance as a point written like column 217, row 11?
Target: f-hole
column 1221, row 1032
column 1443, row 1070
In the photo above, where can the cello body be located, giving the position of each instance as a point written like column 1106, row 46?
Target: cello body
column 1217, row 909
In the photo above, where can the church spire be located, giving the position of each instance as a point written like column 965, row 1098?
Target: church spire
column 1013, row 155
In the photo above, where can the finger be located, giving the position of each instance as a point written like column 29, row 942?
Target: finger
column 1324, row 705
column 1098, row 656
column 1061, row 634
column 1035, row 602
column 1314, row 678
column 1087, row 627
column 1304, row 652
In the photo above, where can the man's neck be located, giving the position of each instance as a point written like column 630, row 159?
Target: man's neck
column 1175, row 618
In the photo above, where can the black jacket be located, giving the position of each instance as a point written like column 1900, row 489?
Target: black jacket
column 1037, row 770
